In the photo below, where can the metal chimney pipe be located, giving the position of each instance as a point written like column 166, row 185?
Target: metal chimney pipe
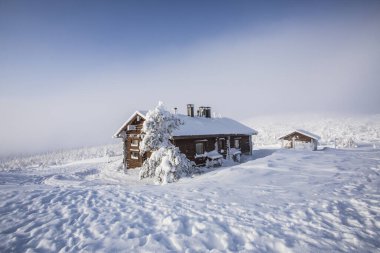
column 190, row 110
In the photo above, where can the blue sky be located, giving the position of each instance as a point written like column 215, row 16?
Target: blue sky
column 72, row 71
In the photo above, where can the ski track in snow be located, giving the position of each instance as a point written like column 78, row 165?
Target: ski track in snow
column 280, row 201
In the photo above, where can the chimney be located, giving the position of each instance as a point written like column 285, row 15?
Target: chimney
column 190, row 110
column 205, row 111
column 208, row 112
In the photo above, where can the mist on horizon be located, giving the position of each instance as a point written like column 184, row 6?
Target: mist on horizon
column 68, row 80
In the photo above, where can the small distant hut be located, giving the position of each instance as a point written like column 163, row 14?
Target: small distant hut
column 300, row 139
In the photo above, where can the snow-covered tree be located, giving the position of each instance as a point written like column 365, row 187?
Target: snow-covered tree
column 166, row 163
column 158, row 128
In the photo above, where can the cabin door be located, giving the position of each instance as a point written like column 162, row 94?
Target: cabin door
column 222, row 146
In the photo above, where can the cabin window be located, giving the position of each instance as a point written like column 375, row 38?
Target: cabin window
column 199, row 148
column 135, row 143
column 134, row 155
column 237, row 143
column 131, row 127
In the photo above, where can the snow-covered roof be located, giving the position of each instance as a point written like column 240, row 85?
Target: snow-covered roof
column 142, row 113
column 201, row 126
column 304, row 132
column 209, row 126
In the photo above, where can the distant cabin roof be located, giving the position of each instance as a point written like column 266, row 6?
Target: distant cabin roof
column 304, row 132
column 200, row 126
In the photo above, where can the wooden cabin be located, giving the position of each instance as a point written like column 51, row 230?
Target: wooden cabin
column 300, row 139
column 201, row 138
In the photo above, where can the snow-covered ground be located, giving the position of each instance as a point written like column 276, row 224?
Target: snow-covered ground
column 279, row 201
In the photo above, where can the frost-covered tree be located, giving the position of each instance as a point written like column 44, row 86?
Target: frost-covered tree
column 166, row 163
column 158, row 128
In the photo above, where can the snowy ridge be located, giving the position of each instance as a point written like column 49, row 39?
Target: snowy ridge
column 59, row 157
column 339, row 129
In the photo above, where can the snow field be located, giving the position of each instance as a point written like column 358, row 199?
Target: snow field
column 339, row 130
column 57, row 158
column 280, row 201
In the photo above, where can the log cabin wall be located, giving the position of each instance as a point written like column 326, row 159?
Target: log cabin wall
column 245, row 145
column 187, row 145
column 132, row 150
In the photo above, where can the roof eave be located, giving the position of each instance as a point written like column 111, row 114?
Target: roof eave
column 207, row 135
column 117, row 134
column 283, row 137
